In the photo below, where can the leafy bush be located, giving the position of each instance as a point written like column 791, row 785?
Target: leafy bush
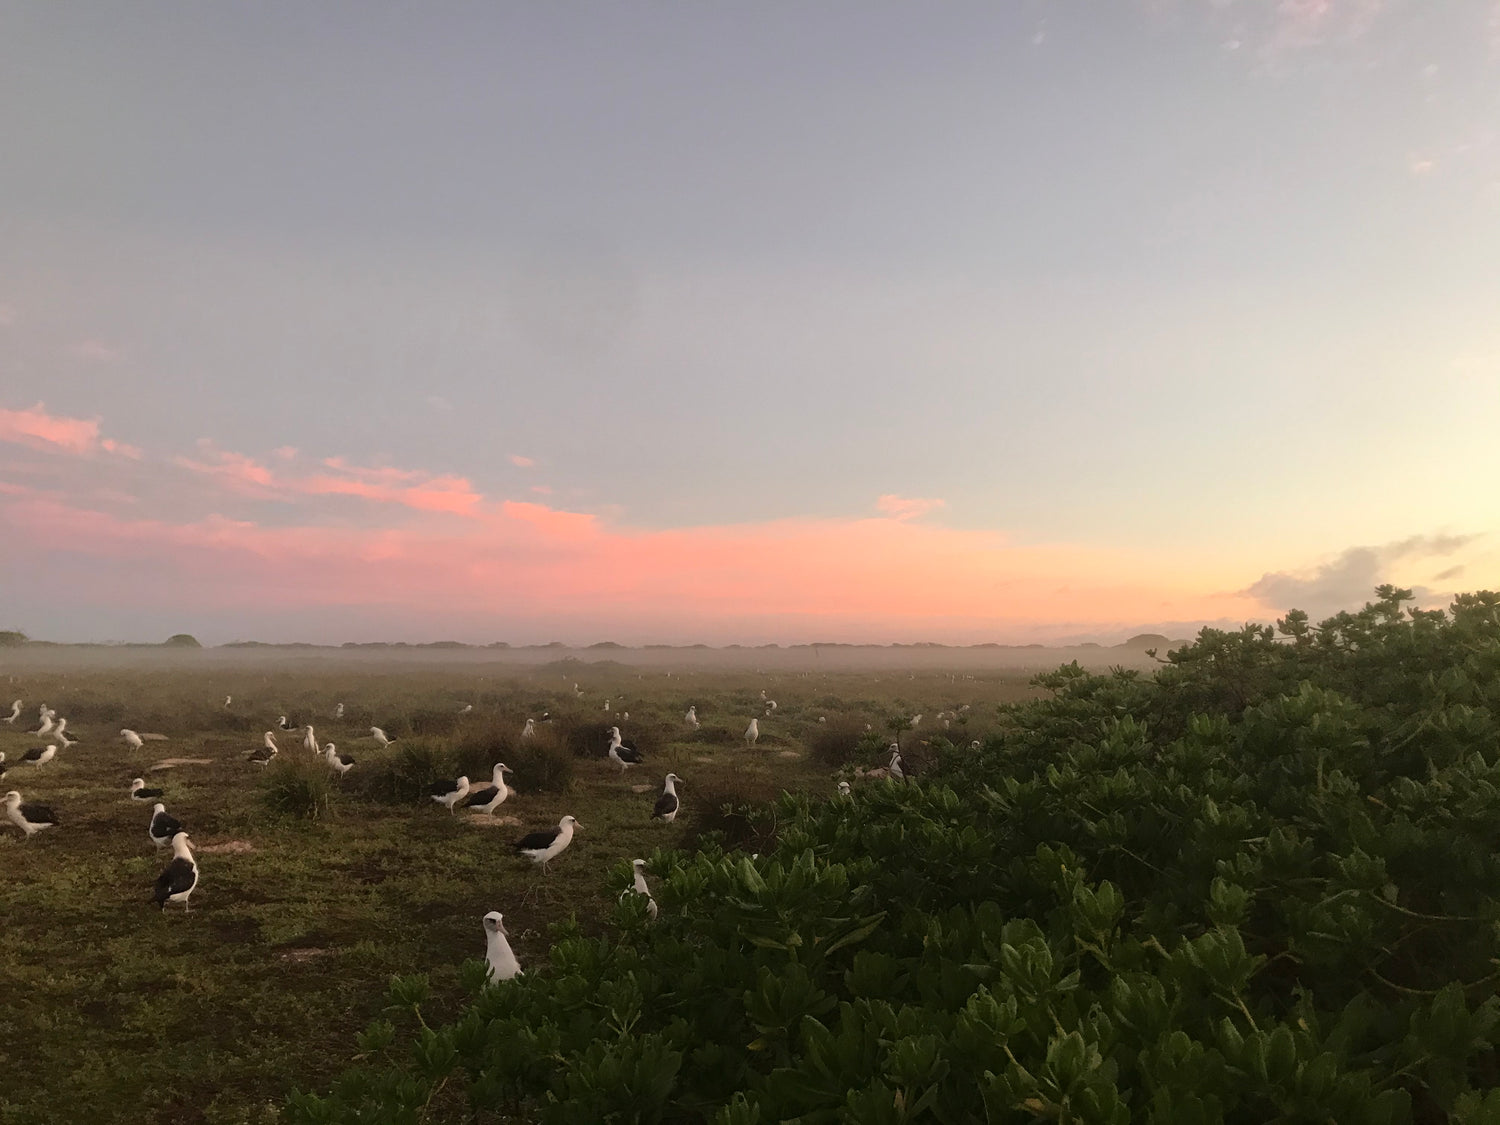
column 837, row 744
column 403, row 774
column 297, row 785
column 541, row 765
column 1258, row 885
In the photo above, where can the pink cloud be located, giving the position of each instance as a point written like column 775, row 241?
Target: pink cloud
column 908, row 507
column 521, row 462
column 94, row 351
column 56, row 433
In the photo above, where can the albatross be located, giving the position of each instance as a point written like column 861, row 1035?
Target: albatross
column 267, row 751
column 61, row 734
column 40, row 756
column 498, row 953
column 163, row 825
column 15, row 712
column 139, row 792
column 131, row 739
column 449, row 793
column 309, row 742
column 752, row 732
column 380, row 736
column 638, row 886
column 492, row 796
column 622, row 753
column 547, row 844
column 691, row 718
column 667, row 804
column 30, row 819
column 340, row 763
column 178, row 878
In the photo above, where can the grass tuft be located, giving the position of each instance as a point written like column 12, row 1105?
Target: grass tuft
column 297, row 786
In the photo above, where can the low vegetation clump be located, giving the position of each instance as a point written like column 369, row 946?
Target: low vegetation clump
column 297, row 786
column 1258, row 885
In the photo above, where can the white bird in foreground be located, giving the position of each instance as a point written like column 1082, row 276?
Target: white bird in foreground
column 667, row 804
column 529, row 730
column 45, row 728
column 139, row 792
column 449, row 793
column 752, row 732
column 638, row 886
column 894, row 769
column 30, row 819
column 309, row 740
column 163, row 825
column 177, row 880
column 844, row 790
column 338, row 712
column 341, row 763
column 623, row 754
column 501, row 958
column 379, row 736
column 691, row 718
column 492, row 796
column 228, row 699
column 61, row 735
column 549, row 843
column 132, row 739
column 268, row 750
column 15, row 712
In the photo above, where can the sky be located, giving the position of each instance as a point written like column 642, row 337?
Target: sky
column 666, row 322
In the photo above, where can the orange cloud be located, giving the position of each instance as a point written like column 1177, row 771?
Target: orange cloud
column 521, row 462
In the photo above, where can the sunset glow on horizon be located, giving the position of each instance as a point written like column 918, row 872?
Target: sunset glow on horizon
column 1042, row 324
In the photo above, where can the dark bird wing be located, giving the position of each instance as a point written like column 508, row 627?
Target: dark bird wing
column 32, row 755
column 443, row 788
column 481, row 796
column 629, row 753
column 38, row 814
column 165, row 825
column 537, row 841
column 180, row 875
column 146, row 794
column 665, row 805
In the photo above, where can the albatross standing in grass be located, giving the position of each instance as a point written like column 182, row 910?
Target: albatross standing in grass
column 268, row 750
column 546, row 845
column 380, row 736
column 752, row 733
column 622, row 753
column 691, row 718
column 15, row 712
column 667, row 804
column 501, row 958
column 131, row 739
column 449, row 793
column 309, row 742
column 492, row 796
column 61, row 734
column 163, row 825
column 30, row 819
column 40, row 756
column 340, row 763
column 139, row 792
column 177, row 880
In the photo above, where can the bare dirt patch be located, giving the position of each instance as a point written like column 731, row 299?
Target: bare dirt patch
column 173, row 763
column 228, row 847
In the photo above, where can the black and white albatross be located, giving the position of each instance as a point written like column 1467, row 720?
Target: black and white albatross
column 163, row 825
column 498, row 953
column 492, row 796
column 622, row 753
column 546, row 845
column 667, row 804
column 177, row 880
column 139, row 792
column 449, row 793
column 29, row 818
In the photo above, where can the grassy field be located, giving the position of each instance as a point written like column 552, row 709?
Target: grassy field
column 112, row 1011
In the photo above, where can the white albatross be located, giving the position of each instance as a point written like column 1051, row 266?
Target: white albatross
column 179, row 877
column 309, row 740
column 15, row 712
column 497, row 952
column 61, row 734
column 547, row 844
column 492, row 796
column 339, row 763
column 638, row 886
column 449, row 793
column 622, row 753
column 529, row 730
column 667, row 804
column 131, row 739
column 267, row 751
column 40, row 756
column 44, row 729
column 29, row 818
column 163, row 825
column 379, row 736
column 691, row 718
column 752, row 733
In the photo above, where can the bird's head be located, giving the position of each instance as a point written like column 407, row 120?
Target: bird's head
column 158, row 808
column 13, row 798
column 569, row 821
column 494, row 922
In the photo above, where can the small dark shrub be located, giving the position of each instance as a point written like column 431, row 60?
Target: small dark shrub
column 540, row 765
column 297, row 786
column 480, row 749
column 431, row 722
column 837, row 744
column 402, row 774
column 737, row 812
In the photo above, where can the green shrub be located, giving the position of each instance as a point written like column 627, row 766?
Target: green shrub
column 402, row 774
column 297, row 785
column 540, row 765
column 838, row 744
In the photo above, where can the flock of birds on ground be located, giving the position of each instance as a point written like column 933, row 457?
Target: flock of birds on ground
column 179, row 878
